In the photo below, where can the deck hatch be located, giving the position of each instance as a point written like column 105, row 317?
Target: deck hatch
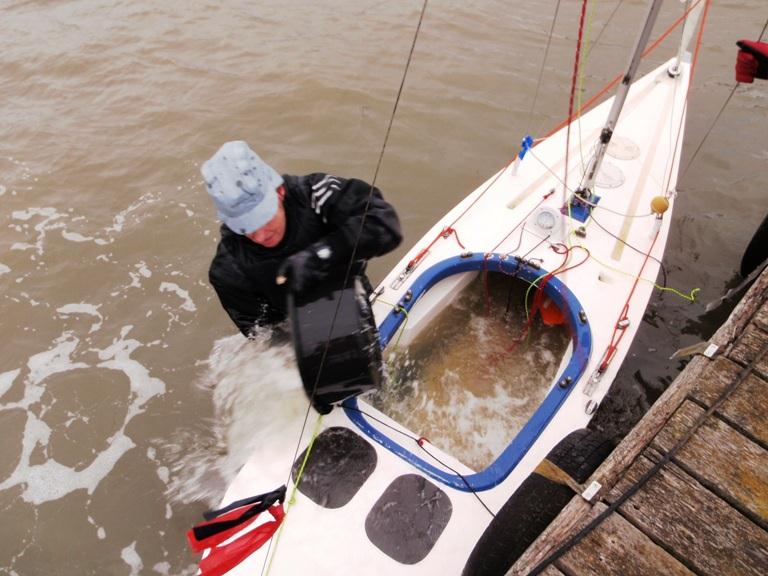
column 581, row 340
column 408, row 518
column 339, row 464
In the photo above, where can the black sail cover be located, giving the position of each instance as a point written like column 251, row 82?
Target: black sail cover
column 336, row 342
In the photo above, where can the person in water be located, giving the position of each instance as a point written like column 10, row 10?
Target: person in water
column 301, row 228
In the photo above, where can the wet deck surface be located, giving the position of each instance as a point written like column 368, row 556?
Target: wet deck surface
column 686, row 492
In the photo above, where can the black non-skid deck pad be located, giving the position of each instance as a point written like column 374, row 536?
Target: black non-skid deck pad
column 338, row 465
column 408, row 518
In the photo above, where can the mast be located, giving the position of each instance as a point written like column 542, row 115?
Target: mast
column 618, row 101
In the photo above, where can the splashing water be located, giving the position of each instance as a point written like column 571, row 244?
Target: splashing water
column 463, row 385
column 458, row 384
column 256, row 392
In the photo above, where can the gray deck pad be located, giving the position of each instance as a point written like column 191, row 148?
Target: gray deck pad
column 408, row 518
column 339, row 464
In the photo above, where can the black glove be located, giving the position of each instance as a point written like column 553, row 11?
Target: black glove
column 305, row 269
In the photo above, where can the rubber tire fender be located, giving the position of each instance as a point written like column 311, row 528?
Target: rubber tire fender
column 535, row 504
column 756, row 251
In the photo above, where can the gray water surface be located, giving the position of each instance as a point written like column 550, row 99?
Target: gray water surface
column 121, row 379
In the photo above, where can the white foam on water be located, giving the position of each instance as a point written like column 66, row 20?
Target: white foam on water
column 188, row 304
column 7, row 379
column 44, row 364
column 258, row 401
column 143, row 270
column 189, row 212
column 143, row 386
column 49, row 222
column 4, row 269
column 132, row 558
column 135, row 282
column 30, row 212
column 83, row 308
column 75, row 237
column 49, row 480
column 162, row 568
column 101, row 534
column 118, row 221
column 32, row 301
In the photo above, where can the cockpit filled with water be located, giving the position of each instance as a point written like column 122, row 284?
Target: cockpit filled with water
column 475, row 374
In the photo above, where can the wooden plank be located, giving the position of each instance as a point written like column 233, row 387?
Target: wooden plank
column 721, row 374
column 722, row 459
column 578, row 511
column 748, row 347
column 551, row 571
column 747, row 407
column 617, row 547
column 744, row 312
column 761, row 318
column 692, row 523
column 575, row 515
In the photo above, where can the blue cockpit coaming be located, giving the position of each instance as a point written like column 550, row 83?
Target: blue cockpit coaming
column 581, row 339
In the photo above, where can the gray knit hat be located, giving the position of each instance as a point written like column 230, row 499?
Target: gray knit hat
column 243, row 187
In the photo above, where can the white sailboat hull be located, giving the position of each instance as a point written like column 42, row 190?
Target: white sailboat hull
column 495, row 223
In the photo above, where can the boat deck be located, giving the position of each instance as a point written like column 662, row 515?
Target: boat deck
column 686, row 492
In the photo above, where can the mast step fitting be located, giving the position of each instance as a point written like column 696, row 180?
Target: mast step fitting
column 580, row 205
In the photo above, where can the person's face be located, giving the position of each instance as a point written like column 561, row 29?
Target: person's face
column 273, row 231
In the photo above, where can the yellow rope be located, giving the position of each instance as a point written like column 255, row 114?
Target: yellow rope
column 528, row 291
column 292, row 500
column 582, row 67
column 691, row 296
column 398, row 308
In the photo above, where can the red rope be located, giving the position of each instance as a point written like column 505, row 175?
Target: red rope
column 618, row 77
column 564, row 123
column 618, row 330
column 538, row 299
column 446, row 232
column 687, row 93
column 574, row 82
column 500, row 242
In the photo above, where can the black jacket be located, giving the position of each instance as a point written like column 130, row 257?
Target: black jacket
column 318, row 207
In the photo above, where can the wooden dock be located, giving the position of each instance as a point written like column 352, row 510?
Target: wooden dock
column 686, row 492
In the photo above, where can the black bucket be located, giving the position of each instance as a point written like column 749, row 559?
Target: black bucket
column 335, row 365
